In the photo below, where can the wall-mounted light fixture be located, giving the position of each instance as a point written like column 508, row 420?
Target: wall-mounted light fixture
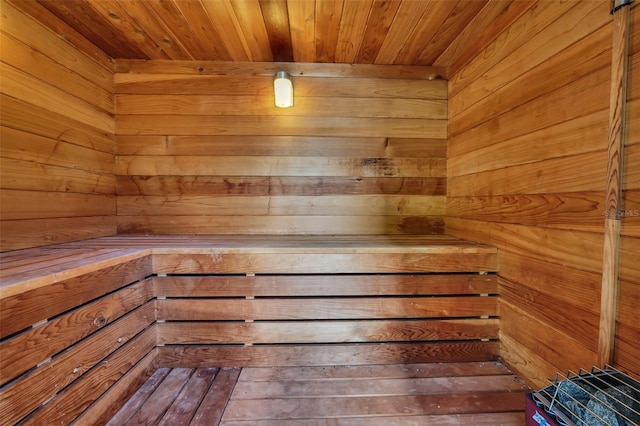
column 283, row 89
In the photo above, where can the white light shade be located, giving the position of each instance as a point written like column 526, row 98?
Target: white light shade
column 283, row 90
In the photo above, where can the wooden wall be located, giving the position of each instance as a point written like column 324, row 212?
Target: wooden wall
column 57, row 132
column 527, row 173
column 202, row 149
column 627, row 342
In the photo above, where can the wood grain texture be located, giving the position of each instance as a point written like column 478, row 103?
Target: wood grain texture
column 20, row 234
column 68, row 405
column 120, row 392
column 26, row 350
column 537, row 242
column 49, row 70
column 470, row 41
column 615, row 162
column 323, row 263
column 256, row 81
column 21, row 85
column 519, row 163
column 334, row 285
column 27, row 307
column 592, row 90
column 581, row 211
column 346, row 128
column 528, row 330
column 199, row 333
column 351, row 383
column 280, row 125
column 341, row 308
column 140, row 397
column 328, row 355
column 277, row 185
column 340, row 205
column 575, row 61
column 21, row 115
column 269, row 69
column 33, row 25
column 279, row 166
column 287, row 146
column 522, row 46
column 57, row 113
column 281, row 225
column 214, row 403
column 216, row 105
column 59, row 375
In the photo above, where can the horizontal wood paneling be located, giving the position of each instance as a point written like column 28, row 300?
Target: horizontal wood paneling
column 568, row 138
column 27, row 308
column 536, row 36
column 18, row 205
column 581, row 172
column 31, row 176
column 73, row 323
column 323, row 263
column 19, row 84
column 198, row 151
column 70, row 403
column 108, row 404
column 288, row 146
column 26, row 350
column 203, row 332
column 45, row 39
column 21, row 115
column 281, row 225
column 333, row 354
column 526, row 172
column 581, row 250
column 260, row 83
column 318, row 285
column 280, row 125
column 44, row 68
column 21, row 145
column 338, row 205
column 279, row 166
column 580, row 211
column 57, row 134
column 277, row 185
column 28, row 393
column 21, row 234
column 343, row 308
column 577, row 99
column 213, row 105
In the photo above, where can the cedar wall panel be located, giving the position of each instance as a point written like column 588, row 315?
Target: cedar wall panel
column 202, row 149
column 627, row 342
column 527, row 173
column 57, row 134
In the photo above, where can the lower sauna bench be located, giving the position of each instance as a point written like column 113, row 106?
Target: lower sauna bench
column 254, row 330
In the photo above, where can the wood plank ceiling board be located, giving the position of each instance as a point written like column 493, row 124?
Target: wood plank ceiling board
column 276, row 20
column 382, row 32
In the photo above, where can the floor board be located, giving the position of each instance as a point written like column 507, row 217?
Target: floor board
column 478, row 393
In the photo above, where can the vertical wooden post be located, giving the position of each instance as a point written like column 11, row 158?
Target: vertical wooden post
column 613, row 203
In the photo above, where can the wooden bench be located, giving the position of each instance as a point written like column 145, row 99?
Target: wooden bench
column 84, row 324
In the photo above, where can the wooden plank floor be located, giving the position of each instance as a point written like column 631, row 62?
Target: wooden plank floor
column 474, row 393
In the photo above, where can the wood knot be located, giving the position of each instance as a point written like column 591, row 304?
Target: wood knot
column 100, row 321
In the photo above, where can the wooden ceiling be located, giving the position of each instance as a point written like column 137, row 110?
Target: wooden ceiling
column 443, row 33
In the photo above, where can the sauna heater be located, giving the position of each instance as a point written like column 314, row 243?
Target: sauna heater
column 600, row 397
